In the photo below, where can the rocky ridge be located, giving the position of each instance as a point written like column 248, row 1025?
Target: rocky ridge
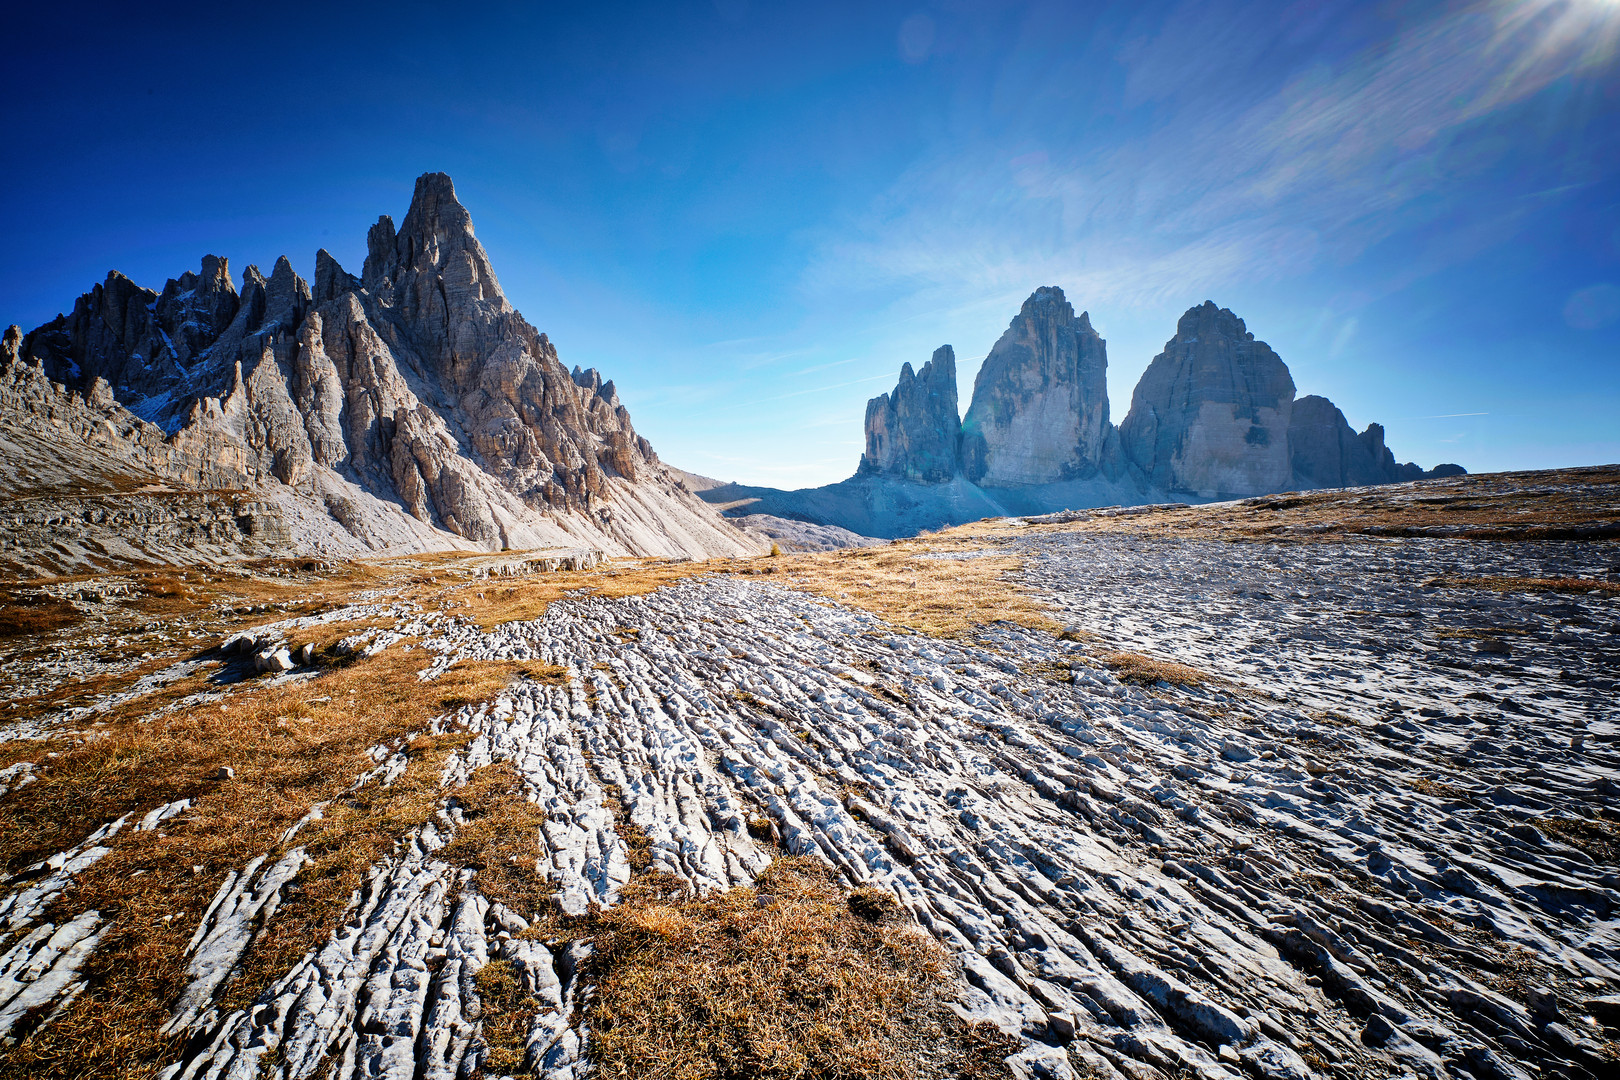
column 912, row 432
column 1324, row 452
column 412, row 408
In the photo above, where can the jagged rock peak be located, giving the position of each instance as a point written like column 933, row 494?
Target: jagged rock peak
column 1048, row 300
column 1040, row 402
column 1211, row 413
column 382, row 255
column 286, row 296
column 330, row 279
column 912, row 432
column 436, row 239
column 196, row 308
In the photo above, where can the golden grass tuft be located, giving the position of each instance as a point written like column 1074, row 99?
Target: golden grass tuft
column 1436, row 789
column 1599, row 837
column 1142, row 670
column 497, row 601
column 780, row 980
column 500, row 839
column 940, row 597
column 507, row 1009
column 24, row 615
column 1526, row 584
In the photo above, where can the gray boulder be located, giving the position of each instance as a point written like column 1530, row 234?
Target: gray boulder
column 273, row 660
column 1040, row 402
column 1211, row 414
column 912, row 432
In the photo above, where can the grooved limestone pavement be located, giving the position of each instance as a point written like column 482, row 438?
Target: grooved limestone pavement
column 1221, row 882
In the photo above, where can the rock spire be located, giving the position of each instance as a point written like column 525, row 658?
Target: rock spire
column 1040, row 402
column 912, row 432
column 1210, row 416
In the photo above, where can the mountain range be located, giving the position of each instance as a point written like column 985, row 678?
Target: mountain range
column 1214, row 417
column 411, row 408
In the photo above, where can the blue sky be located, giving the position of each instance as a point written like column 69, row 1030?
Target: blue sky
column 750, row 215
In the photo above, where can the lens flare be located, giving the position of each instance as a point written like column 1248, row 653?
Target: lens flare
column 1553, row 37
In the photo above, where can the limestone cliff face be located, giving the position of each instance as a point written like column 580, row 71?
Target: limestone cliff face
column 1211, row 414
column 1040, row 402
column 912, row 432
column 414, row 390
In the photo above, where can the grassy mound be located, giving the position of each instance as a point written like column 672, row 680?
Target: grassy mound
column 795, row 977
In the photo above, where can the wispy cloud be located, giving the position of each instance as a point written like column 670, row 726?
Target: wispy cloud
column 1442, row 416
column 1342, row 339
column 811, row 390
column 1331, row 161
column 750, row 362
column 824, row 367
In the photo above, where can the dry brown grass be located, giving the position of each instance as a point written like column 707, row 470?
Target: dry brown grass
column 1467, row 633
column 1598, row 837
column 285, row 736
column 507, row 1010
column 798, row 985
column 216, row 603
column 1142, row 670
column 289, row 587
column 1436, row 789
column 500, row 839
column 25, row 615
column 1561, row 504
column 289, row 750
column 941, row 597
column 497, row 601
column 1060, row 672
column 90, row 691
column 1526, row 584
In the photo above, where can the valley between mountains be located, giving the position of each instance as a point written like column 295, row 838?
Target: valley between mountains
column 1309, row 785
